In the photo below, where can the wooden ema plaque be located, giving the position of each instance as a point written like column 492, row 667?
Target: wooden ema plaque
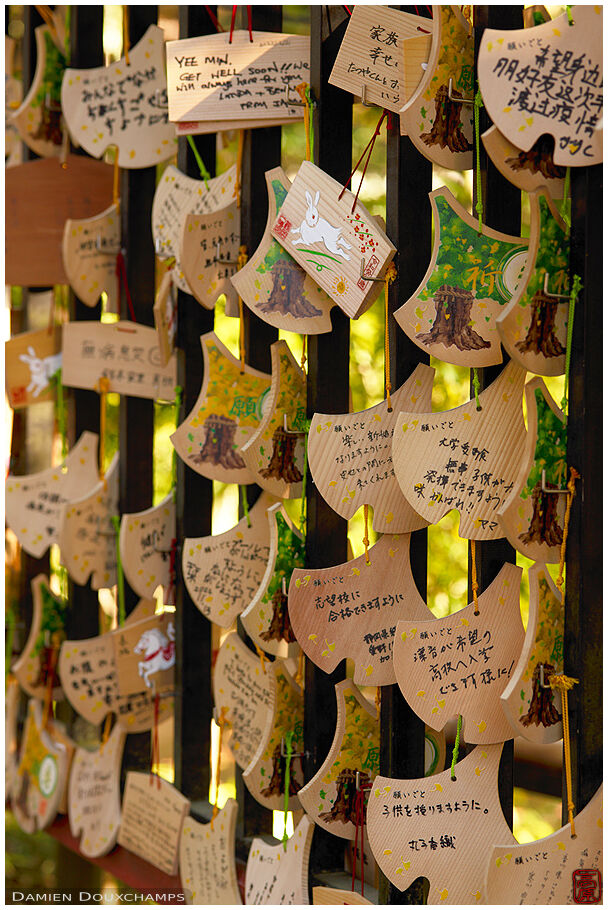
column 244, row 688
column 151, row 823
column 40, row 196
column 352, row 610
column 439, row 828
column 274, row 453
column 459, row 459
column 278, row 875
column 523, row 107
column 462, row 664
column 323, row 895
column 207, row 866
column 531, row 706
column 471, row 276
column 94, row 795
column 31, row 358
column 209, row 255
column 435, row 118
column 34, row 502
column 266, row 619
column 225, row 76
column 122, row 105
column 265, row 775
column 351, row 462
column 532, row 518
column 227, row 413
column 332, row 243
column 273, row 285
column 89, row 249
column 41, row 774
column 126, row 353
column 177, row 196
column 370, row 58
column 39, row 118
column 557, row 869
column 534, row 324
column 13, row 93
column 527, row 170
column 11, row 745
column 86, row 535
column 33, row 665
column 165, row 317
column 223, row 572
column 145, row 655
column 145, row 542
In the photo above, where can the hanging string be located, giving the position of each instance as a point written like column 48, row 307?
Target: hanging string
column 61, row 418
column 564, row 209
column 365, row 534
column 244, row 503
column 289, row 735
column 304, row 473
column 201, row 164
column 359, row 812
column 239, row 168
column 221, row 722
column 369, row 148
column 299, row 677
column 242, row 259
column 377, row 701
column 559, row 581
column 232, row 21
column 120, row 577
column 125, row 32
column 474, row 584
column 569, row 14
column 391, row 274
column 262, row 657
column 121, row 271
column 178, row 403
column 48, row 692
column 249, row 24
column 10, row 637
column 456, row 747
column 564, row 684
column 347, row 10
column 303, row 357
column 155, row 745
column 104, row 388
column 214, row 19
column 476, row 388
column 478, row 194
column 116, row 182
column 303, row 90
column 311, row 121
column 106, row 732
column 172, row 570
column 574, row 292
column 51, row 322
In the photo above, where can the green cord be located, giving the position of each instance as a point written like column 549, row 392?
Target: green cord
column 61, row 419
column 574, row 292
column 311, row 123
column 288, row 746
column 10, row 636
column 476, row 387
column 479, row 202
column 304, row 472
column 245, row 504
column 569, row 13
column 120, row 585
column 456, row 746
column 201, row 164
column 565, row 207
column 178, row 403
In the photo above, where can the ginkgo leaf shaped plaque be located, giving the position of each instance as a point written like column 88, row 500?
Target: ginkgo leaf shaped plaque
column 243, row 688
column 223, row 572
column 331, row 242
column 529, row 170
column 275, row 452
column 34, row 501
column 36, row 663
column 460, row 665
column 40, row 776
column 276, row 287
column 207, row 866
column 266, row 619
column 532, row 517
column 464, row 459
column 534, row 324
column 522, row 104
column 209, row 255
column 38, row 118
column 531, row 706
column 94, row 795
column 145, row 542
column 89, row 249
column 122, row 104
column 322, row 895
column 439, row 828
column 350, row 457
column 178, row 196
column 227, row 413
column 352, row 610
column 31, row 358
column 279, row 875
column 86, row 537
column 471, row 276
column 436, row 119
column 558, row 869
column 266, row 774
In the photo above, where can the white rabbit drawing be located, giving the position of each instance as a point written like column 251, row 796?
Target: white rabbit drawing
column 314, row 230
column 41, row 369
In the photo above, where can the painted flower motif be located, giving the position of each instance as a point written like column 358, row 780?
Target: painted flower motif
column 340, row 285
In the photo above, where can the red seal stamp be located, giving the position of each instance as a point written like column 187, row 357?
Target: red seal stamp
column 282, row 227
column 586, row 886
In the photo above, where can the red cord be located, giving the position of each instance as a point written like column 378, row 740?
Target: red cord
column 348, row 11
column 155, row 757
column 121, row 272
column 172, row 561
column 214, row 19
column 367, row 150
column 232, row 23
column 249, row 24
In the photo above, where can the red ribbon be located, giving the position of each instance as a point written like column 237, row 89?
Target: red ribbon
column 359, row 823
column 121, row 274
column 369, row 148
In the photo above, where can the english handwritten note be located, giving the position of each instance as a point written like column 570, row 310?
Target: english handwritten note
column 152, row 816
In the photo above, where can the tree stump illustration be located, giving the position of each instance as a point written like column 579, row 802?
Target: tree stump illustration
column 544, row 527
column 282, row 464
column 446, row 130
column 539, row 160
column 280, row 626
column 452, row 320
column 542, row 710
column 276, row 785
column 343, row 809
column 541, row 338
column 218, row 447
column 287, row 294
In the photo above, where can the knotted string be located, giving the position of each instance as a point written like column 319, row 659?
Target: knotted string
column 178, row 403
column 474, row 584
column 104, row 388
column 574, row 476
column 303, row 357
column 289, row 735
column 366, row 151
column 574, row 292
column 478, row 201
column 120, row 577
column 303, row 90
column 201, row 164
column 456, row 748
column 365, row 534
column 221, row 722
column 121, row 272
column 391, row 274
column 125, row 32
column 564, row 684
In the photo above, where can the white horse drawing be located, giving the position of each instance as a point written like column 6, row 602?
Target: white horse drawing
column 158, row 651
